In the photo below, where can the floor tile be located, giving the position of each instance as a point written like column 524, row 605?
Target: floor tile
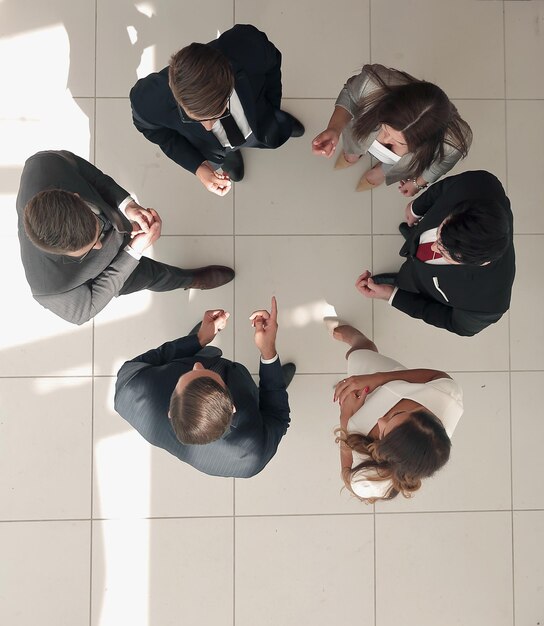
column 524, row 45
column 139, row 166
column 314, row 63
column 525, row 131
column 462, row 65
column 150, row 482
column 45, row 458
column 134, row 323
column 417, row 344
column 161, row 572
column 527, row 436
column 291, row 191
column 487, row 152
column 45, row 573
column 528, row 566
column 454, row 567
column 305, row 565
column 311, row 278
column 53, row 42
column 466, row 483
column 526, row 328
column 142, row 37
column 28, row 344
column 304, row 476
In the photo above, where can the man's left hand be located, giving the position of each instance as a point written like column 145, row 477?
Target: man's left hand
column 213, row 322
column 141, row 218
column 370, row 289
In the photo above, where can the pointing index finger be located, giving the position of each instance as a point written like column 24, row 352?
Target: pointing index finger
column 274, row 308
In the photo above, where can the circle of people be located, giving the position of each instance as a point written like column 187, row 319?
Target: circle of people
column 82, row 239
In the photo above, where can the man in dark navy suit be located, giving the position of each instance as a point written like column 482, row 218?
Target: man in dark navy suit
column 207, row 410
column 213, row 99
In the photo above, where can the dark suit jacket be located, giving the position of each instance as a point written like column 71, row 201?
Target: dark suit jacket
column 75, row 291
column 256, row 63
column 142, row 397
column 464, row 299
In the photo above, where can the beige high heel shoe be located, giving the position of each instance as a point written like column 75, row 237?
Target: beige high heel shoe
column 364, row 184
column 341, row 162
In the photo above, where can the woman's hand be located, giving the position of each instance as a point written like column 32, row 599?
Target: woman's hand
column 325, row 143
column 351, row 404
column 357, row 386
column 407, row 188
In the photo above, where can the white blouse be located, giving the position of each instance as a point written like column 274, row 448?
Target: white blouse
column 442, row 397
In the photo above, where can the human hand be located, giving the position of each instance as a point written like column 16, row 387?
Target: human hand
column 143, row 240
column 266, row 328
column 407, row 188
column 141, row 218
column 359, row 386
column 325, row 143
column 365, row 285
column 349, row 407
column 213, row 322
column 409, row 216
column 219, row 184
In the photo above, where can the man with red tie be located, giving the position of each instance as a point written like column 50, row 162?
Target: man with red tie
column 460, row 261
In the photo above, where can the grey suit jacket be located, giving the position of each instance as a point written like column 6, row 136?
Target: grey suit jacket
column 142, row 397
column 75, row 291
column 361, row 86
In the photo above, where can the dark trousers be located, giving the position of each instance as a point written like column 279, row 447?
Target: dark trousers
column 156, row 276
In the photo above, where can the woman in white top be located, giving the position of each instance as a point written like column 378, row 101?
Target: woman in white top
column 409, row 125
column 395, row 423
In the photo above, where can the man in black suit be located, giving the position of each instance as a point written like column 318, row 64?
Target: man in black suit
column 82, row 237
column 213, row 99
column 460, row 263
column 206, row 410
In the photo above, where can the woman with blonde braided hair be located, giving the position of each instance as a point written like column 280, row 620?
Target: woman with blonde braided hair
column 395, row 423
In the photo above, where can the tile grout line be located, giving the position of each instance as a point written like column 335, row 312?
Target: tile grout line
column 512, row 547
column 372, row 309
column 92, row 342
column 269, row 515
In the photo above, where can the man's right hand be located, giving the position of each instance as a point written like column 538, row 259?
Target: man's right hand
column 213, row 322
column 143, row 240
column 219, row 184
column 266, row 328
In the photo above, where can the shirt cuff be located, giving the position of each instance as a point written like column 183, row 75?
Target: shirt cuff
column 124, row 204
column 132, row 252
column 390, row 301
column 418, row 217
column 269, row 361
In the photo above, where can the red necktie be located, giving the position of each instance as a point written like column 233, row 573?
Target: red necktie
column 424, row 252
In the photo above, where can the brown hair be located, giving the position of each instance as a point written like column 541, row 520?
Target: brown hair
column 201, row 79
column 59, row 221
column 415, row 449
column 201, row 412
column 421, row 111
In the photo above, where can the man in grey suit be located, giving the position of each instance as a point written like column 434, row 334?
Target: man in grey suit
column 206, row 410
column 82, row 237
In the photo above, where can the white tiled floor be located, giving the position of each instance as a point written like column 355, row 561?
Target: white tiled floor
column 96, row 527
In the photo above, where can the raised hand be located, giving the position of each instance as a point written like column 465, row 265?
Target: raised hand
column 266, row 328
column 213, row 322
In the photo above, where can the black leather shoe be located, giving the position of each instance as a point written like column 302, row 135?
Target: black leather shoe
column 288, row 370
column 404, row 230
column 211, row 277
column 387, row 278
column 298, row 129
column 233, row 165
